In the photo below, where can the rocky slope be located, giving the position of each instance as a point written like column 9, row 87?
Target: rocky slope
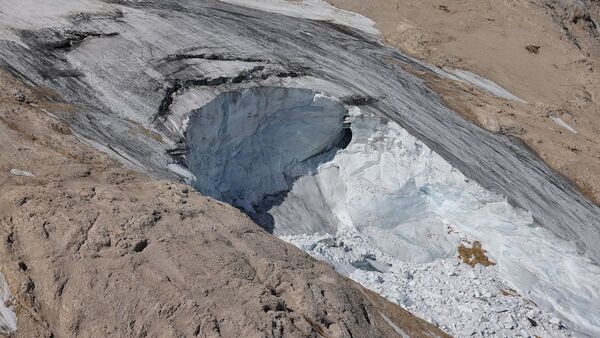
column 92, row 249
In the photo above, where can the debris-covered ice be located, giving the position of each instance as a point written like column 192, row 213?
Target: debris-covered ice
column 462, row 300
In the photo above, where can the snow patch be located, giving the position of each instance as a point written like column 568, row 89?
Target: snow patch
column 563, row 124
column 311, row 9
column 482, row 83
column 17, row 172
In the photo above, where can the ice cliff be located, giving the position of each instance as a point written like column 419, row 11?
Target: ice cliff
column 246, row 145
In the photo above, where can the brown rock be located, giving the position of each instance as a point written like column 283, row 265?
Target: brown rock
column 532, row 49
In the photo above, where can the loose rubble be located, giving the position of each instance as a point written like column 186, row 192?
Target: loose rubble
column 462, row 300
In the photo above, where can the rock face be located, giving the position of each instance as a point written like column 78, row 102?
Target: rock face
column 579, row 20
column 91, row 249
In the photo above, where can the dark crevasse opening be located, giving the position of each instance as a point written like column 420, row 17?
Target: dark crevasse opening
column 247, row 147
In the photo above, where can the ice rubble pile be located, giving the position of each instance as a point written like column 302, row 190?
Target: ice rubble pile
column 409, row 203
column 461, row 300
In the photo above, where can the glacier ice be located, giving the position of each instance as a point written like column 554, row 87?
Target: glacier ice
column 119, row 82
column 284, row 155
column 312, row 9
column 246, row 145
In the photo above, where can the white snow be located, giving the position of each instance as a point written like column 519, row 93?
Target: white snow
column 482, row 83
column 563, row 124
column 17, row 172
column 311, row 9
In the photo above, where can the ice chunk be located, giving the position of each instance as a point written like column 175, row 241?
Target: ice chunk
column 17, row 172
column 563, row 124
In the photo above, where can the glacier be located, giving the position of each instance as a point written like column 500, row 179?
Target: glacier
column 281, row 154
column 138, row 72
